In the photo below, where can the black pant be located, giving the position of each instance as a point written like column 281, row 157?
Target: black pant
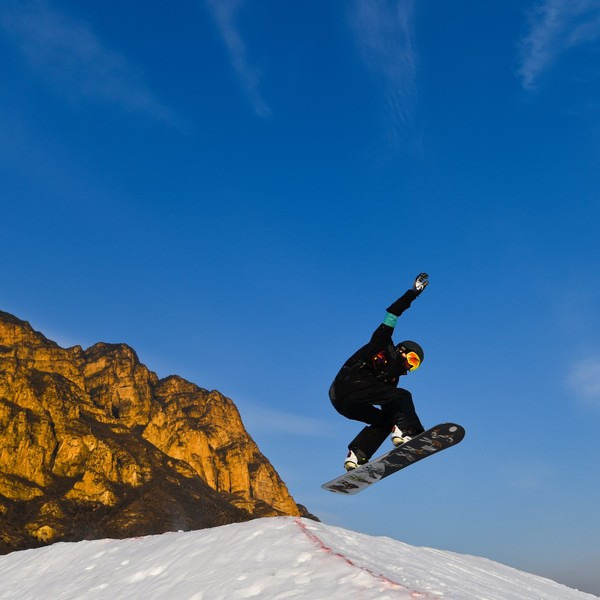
column 397, row 408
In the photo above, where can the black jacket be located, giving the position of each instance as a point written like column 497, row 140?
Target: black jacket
column 378, row 362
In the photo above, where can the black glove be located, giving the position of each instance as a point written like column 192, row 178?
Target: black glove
column 421, row 282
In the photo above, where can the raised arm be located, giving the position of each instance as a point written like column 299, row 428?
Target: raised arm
column 399, row 306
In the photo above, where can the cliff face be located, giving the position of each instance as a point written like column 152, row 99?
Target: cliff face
column 93, row 444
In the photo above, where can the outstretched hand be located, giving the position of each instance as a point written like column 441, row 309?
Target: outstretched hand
column 421, row 282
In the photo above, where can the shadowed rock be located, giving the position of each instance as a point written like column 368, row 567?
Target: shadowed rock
column 93, row 444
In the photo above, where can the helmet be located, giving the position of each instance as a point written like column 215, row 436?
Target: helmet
column 410, row 346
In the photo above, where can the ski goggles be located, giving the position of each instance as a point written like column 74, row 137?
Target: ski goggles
column 412, row 361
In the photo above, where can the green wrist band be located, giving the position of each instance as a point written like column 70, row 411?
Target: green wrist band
column 390, row 320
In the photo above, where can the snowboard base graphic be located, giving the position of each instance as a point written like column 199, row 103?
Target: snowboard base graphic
column 421, row 446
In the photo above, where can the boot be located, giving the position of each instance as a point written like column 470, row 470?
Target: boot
column 398, row 438
column 355, row 457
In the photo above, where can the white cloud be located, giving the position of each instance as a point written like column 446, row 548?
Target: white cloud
column 584, row 380
column 384, row 35
column 69, row 56
column 555, row 26
column 259, row 418
column 530, row 475
column 225, row 13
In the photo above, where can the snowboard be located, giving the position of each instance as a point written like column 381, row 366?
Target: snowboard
column 421, row 446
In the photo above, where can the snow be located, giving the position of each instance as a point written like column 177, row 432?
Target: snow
column 274, row 558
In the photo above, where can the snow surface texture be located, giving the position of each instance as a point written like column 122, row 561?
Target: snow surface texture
column 273, row 558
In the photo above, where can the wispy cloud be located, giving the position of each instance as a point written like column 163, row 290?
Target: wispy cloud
column 384, row 35
column 584, row 380
column 225, row 13
column 528, row 475
column 555, row 26
column 259, row 418
column 70, row 57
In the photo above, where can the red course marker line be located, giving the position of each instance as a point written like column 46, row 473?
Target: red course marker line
column 322, row 546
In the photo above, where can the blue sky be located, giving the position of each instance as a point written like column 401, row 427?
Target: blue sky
column 238, row 189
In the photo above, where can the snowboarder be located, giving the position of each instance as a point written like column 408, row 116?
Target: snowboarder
column 369, row 379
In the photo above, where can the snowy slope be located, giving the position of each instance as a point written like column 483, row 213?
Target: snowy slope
column 268, row 558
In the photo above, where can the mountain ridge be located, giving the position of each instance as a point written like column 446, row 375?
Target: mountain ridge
column 95, row 444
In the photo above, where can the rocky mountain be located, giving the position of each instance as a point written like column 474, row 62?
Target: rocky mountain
column 93, row 444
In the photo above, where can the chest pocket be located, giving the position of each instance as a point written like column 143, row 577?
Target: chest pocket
column 380, row 361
